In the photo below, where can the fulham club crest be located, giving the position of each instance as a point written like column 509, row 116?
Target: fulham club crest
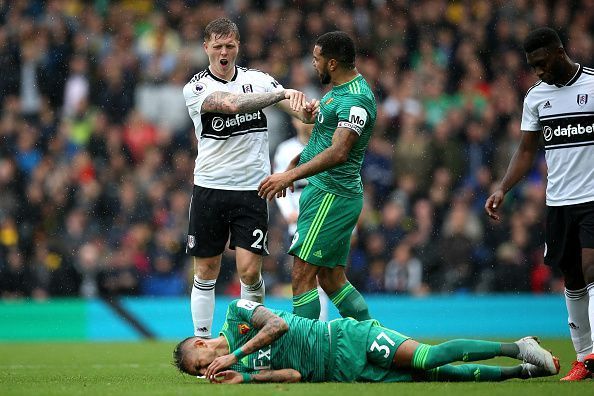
column 582, row 99
column 247, row 88
column 191, row 241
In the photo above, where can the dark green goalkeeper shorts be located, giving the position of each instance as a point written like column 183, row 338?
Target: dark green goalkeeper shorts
column 324, row 227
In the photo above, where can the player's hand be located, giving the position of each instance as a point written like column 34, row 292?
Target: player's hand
column 310, row 111
column 493, row 203
column 227, row 377
column 296, row 98
column 275, row 185
column 219, row 364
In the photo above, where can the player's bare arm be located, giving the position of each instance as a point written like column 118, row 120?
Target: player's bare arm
column 231, row 103
column 343, row 141
column 294, row 162
column 307, row 114
column 519, row 165
column 233, row 377
column 271, row 328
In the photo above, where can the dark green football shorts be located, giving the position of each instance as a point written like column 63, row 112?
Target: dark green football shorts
column 324, row 227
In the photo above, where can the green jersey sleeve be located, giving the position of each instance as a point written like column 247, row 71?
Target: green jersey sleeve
column 241, row 310
column 352, row 114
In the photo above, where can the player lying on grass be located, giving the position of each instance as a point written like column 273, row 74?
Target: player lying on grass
column 261, row 345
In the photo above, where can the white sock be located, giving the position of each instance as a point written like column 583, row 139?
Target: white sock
column 579, row 320
column 324, row 302
column 202, row 303
column 590, row 288
column 254, row 292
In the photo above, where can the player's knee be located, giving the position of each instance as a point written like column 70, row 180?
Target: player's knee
column 574, row 281
column 588, row 273
column 206, row 268
column 249, row 274
column 331, row 280
column 303, row 272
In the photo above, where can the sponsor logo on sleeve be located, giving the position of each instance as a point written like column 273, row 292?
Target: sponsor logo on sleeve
column 357, row 120
column 247, row 304
column 199, row 88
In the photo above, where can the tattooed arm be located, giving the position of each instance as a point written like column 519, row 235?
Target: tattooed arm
column 271, row 326
column 231, row 103
column 234, row 377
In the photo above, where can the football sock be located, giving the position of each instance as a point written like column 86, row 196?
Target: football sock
column 202, row 303
column 472, row 372
column 307, row 305
column 431, row 356
column 253, row 292
column 579, row 312
column 350, row 303
column 591, row 315
column 324, row 301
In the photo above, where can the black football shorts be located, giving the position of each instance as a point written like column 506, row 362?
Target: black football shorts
column 568, row 229
column 218, row 216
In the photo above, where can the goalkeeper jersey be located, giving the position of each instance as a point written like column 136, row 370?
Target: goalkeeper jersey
column 350, row 105
column 304, row 347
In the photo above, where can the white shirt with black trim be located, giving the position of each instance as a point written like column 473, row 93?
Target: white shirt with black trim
column 565, row 116
column 285, row 152
column 233, row 151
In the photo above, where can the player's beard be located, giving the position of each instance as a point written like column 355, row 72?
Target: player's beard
column 325, row 77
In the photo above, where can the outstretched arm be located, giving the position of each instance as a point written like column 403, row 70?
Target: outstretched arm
column 342, row 142
column 271, row 328
column 307, row 115
column 232, row 103
column 234, row 377
column 519, row 165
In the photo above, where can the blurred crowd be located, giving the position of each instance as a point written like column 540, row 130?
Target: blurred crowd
column 97, row 149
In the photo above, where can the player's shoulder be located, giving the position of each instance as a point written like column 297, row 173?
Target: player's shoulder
column 252, row 73
column 197, row 84
column 360, row 99
column 588, row 72
column 535, row 89
column 201, row 76
column 242, row 303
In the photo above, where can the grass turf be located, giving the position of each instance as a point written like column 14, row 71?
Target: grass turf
column 144, row 368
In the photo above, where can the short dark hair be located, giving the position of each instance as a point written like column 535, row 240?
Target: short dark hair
column 542, row 38
column 220, row 27
column 179, row 353
column 338, row 45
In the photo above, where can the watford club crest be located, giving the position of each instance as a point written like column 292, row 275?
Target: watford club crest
column 243, row 328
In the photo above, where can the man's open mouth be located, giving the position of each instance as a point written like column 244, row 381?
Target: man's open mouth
column 224, row 62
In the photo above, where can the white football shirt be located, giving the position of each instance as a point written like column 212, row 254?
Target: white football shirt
column 565, row 116
column 289, row 204
column 233, row 151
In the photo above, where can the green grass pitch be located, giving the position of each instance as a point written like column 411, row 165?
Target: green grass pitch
column 145, row 368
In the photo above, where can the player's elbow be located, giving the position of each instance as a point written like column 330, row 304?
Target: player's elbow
column 295, row 377
column 340, row 156
column 283, row 326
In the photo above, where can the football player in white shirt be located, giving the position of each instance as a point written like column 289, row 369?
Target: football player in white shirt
column 225, row 102
column 560, row 107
